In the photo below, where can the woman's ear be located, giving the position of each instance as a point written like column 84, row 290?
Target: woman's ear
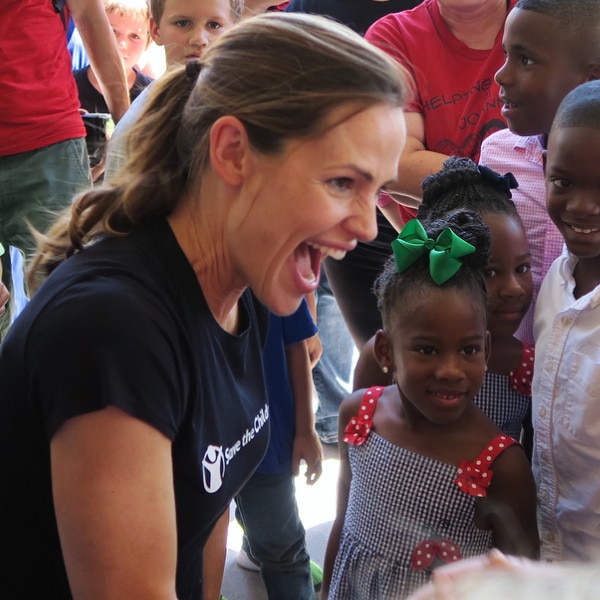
column 229, row 149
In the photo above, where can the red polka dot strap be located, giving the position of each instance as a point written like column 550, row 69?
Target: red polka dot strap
column 520, row 379
column 474, row 478
column 359, row 427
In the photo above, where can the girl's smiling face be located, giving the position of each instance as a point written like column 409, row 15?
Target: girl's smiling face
column 508, row 274
column 440, row 346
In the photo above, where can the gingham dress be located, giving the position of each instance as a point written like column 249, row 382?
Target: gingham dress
column 506, row 398
column 406, row 515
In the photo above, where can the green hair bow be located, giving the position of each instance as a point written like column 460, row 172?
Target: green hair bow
column 444, row 252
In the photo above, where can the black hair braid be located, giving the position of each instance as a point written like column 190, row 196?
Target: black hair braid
column 461, row 184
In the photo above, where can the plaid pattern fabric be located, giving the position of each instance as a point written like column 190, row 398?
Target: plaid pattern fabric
column 411, row 498
column 502, row 404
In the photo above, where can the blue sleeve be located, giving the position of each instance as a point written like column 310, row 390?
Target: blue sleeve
column 298, row 326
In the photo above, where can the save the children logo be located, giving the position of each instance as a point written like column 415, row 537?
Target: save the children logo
column 216, row 458
column 213, row 468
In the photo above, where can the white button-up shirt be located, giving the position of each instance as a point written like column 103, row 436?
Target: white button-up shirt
column 566, row 416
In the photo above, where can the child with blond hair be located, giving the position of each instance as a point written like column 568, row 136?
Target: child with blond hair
column 184, row 28
column 130, row 23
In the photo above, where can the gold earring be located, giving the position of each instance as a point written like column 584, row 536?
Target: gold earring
column 385, row 369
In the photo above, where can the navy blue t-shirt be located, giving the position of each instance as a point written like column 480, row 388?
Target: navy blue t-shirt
column 125, row 323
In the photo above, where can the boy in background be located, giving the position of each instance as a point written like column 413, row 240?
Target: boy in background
column 184, row 28
column 274, row 537
column 551, row 47
column 566, row 390
column 130, row 23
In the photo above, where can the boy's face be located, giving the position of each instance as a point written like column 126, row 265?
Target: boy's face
column 573, row 187
column 539, row 71
column 188, row 26
column 132, row 36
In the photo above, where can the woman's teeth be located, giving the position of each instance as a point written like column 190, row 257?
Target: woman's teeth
column 327, row 251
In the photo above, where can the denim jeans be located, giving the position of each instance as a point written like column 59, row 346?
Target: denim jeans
column 274, row 535
column 35, row 187
column 332, row 375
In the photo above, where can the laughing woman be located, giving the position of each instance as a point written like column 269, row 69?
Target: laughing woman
column 133, row 403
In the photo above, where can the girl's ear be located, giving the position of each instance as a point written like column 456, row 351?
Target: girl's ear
column 229, row 149
column 382, row 349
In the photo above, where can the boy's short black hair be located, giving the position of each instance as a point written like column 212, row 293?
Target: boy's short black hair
column 578, row 13
column 580, row 107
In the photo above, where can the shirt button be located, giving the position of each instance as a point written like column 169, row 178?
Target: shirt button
column 550, row 538
column 543, row 413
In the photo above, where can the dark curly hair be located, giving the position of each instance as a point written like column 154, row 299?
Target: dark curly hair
column 395, row 290
column 461, row 184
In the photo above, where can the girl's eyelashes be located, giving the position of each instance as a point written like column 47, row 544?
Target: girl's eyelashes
column 426, row 350
column 471, row 350
column 490, row 273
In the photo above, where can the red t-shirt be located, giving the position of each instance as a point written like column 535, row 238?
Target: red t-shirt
column 38, row 96
column 455, row 89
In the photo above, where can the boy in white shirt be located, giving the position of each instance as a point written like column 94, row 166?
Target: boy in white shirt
column 566, row 382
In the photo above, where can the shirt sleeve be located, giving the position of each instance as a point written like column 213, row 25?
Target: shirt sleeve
column 298, row 326
column 107, row 347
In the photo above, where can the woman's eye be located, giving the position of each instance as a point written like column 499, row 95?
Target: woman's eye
column 341, row 183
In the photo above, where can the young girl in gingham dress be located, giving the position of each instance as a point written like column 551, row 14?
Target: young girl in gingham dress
column 425, row 477
column 505, row 395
